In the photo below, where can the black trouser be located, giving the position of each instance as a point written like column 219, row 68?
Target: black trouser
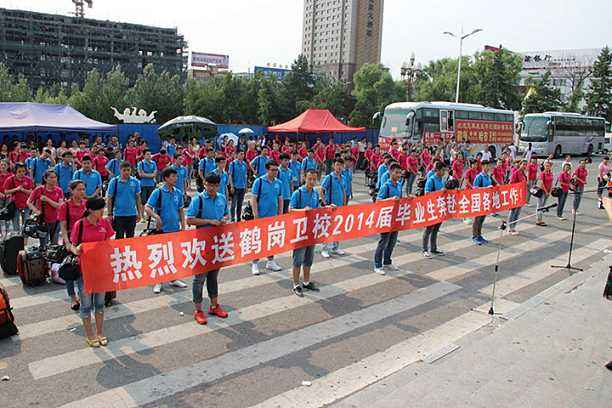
column 237, row 200
column 430, row 237
column 145, row 193
column 285, row 206
column 477, row 226
column 384, row 249
column 124, row 226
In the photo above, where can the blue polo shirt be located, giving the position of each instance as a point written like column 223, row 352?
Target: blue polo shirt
column 238, row 173
column 124, row 193
column 147, row 167
column 171, row 150
column 258, row 164
column 381, row 171
column 39, row 167
column 285, row 176
column 334, row 187
column 207, row 165
column 92, row 180
column 302, row 198
column 203, row 206
column 309, row 164
column 347, row 180
column 389, row 190
column 430, row 174
column 113, row 166
column 64, row 176
column 295, row 167
column 482, row 180
column 224, row 179
column 167, row 207
column 434, row 183
column 268, row 193
column 182, row 175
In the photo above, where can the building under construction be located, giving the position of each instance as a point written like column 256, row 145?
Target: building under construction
column 54, row 49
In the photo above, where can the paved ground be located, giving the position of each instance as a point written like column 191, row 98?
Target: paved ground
column 360, row 332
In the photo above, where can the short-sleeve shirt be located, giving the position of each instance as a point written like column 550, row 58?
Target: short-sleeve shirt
column 71, row 212
column 130, row 154
column 482, row 180
column 113, row 167
column 532, row 171
column 100, row 164
column 147, row 167
column 123, row 194
column 547, row 179
column 347, row 181
column 434, row 183
column 203, row 206
column 302, row 198
column 268, row 192
column 334, row 189
column 223, row 180
column 20, row 198
column 564, row 181
column 100, row 231
column 285, row 176
column 39, row 167
column 56, row 194
column 238, row 173
column 182, row 176
column 389, row 189
column 207, row 165
column 309, row 164
column 167, row 207
column 92, row 180
column 381, row 170
column 295, row 167
column 258, row 164
column 517, row 176
column 581, row 176
column 64, row 176
column 162, row 160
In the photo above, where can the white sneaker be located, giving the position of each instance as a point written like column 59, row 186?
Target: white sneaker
column 339, row 251
column 562, row 218
column 379, row 271
column 427, row 254
column 178, row 284
column 157, row 288
column 254, row 269
column 273, row 266
column 325, row 254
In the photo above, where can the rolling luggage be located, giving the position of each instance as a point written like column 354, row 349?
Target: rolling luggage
column 32, row 267
column 9, row 248
column 7, row 320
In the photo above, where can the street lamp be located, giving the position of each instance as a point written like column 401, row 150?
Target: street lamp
column 461, row 38
column 410, row 73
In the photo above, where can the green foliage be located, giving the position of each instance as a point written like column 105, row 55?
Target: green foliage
column 599, row 94
column 542, row 97
column 12, row 90
column 374, row 89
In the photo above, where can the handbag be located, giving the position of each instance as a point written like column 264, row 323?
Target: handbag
column 536, row 192
column 7, row 212
column 70, row 268
column 556, row 191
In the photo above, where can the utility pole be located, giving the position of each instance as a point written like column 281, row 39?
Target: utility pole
column 461, row 37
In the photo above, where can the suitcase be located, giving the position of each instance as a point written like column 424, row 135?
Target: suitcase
column 9, row 248
column 7, row 320
column 32, row 267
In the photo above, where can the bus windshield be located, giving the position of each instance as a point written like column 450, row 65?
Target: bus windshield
column 394, row 123
column 535, row 129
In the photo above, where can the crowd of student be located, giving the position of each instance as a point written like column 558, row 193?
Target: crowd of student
column 71, row 189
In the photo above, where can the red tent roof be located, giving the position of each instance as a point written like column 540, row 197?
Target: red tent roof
column 314, row 121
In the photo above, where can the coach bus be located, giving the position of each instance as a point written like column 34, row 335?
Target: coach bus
column 560, row 133
column 436, row 122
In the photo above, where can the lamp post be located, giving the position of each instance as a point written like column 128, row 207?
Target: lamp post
column 461, row 38
column 410, row 73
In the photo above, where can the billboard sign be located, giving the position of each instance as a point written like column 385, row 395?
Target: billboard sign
column 270, row 72
column 204, row 59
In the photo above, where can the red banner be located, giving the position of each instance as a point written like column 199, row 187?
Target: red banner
column 135, row 262
column 483, row 131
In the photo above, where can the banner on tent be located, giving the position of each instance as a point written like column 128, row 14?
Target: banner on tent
column 135, row 262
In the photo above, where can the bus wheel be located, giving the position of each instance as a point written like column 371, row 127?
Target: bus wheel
column 558, row 152
column 590, row 150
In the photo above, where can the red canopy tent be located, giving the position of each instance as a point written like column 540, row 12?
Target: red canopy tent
column 314, row 121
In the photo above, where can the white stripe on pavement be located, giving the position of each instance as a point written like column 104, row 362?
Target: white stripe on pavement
column 354, row 377
column 167, row 384
column 10, row 281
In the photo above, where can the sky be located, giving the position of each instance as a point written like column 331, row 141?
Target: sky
column 257, row 32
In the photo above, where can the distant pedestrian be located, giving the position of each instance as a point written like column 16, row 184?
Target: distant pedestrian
column 482, row 180
column 430, row 234
column 390, row 190
column 545, row 183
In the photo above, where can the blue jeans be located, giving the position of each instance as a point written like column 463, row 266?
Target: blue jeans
column 53, row 231
column 512, row 217
column 212, row 285
column 384, row 249
column 89, row 301
column 578, row 197
column 561, row 206
column 409, row 182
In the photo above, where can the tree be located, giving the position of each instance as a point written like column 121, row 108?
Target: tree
column 576, row 76
column 334, row 96
column 599, row 94
column 542, row 97
column 204, row 99
column 299, row 85
column 440, row 81
column 374, row 89
column 497, row 76
column 11, row 89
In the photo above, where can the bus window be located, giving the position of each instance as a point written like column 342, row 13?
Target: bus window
column 475, row 115
column 451, row 121
column 461, row 114
column 444, row 120
column 488, row 116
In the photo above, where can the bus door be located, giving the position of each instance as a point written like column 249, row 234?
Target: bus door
column 447, row 124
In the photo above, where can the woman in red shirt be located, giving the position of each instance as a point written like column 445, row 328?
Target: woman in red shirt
column 69, row 213
column 545, row 182
column 532, row 176
column 564, row 180
column 457, row 166
column 499, row 173
column 92, row 227
column 517, row 176
column 4, row 198
column 44, row 201
column 130, row 154
column 580, row 178
column 19, row 187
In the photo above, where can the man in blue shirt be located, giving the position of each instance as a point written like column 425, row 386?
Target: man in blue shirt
column 165, row 206
column 390, row 190
column 65, row 172
column 430, row 235
column 40, row 165
column 333, row 193
column 258, row 164
column 309, row 163
column 387, row 159
column 182, row 174
column 147, row 172
column 296, row 168
column 209, row 208
column 482, row 180
column 304, row 198
column 223, row 177
column 347, row 176
column 285, row 176
column 267, row 201
column 89, row 176
column 237, row 181
column 114, row 165
column 171, row 148
column 206, row 165
column 123, row 202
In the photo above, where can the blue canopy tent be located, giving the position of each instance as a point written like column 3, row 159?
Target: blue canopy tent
column 21, row 119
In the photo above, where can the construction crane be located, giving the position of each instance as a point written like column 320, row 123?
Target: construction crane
column 79, row 7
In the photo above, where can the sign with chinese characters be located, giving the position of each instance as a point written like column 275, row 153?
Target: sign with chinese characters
column 484, row 131
column 144, row 261
column 203, row 59
column 556, row 59
column 435, row 138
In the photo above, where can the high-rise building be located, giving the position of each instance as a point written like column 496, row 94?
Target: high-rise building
column 339, row 36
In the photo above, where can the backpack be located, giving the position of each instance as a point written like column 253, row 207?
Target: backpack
column 247, row 213
column 9, row 248
column 7, row 320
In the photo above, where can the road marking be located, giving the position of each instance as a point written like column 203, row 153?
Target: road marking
column 167, row 384
column 10, row 281
column 352, row 378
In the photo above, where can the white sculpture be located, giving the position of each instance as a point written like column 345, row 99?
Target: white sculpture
column 133, row 117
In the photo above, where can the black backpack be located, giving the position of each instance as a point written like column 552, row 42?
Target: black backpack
column 9, row 248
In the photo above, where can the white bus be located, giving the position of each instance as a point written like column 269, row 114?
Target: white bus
column 434, row 122
column 560, row 133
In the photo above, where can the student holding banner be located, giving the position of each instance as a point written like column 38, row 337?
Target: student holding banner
column 334, row 194
column 390, row 190
column 123, row 202
column 482, row 180
column 209, row 208
column 237, row 180
column 430, row 235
